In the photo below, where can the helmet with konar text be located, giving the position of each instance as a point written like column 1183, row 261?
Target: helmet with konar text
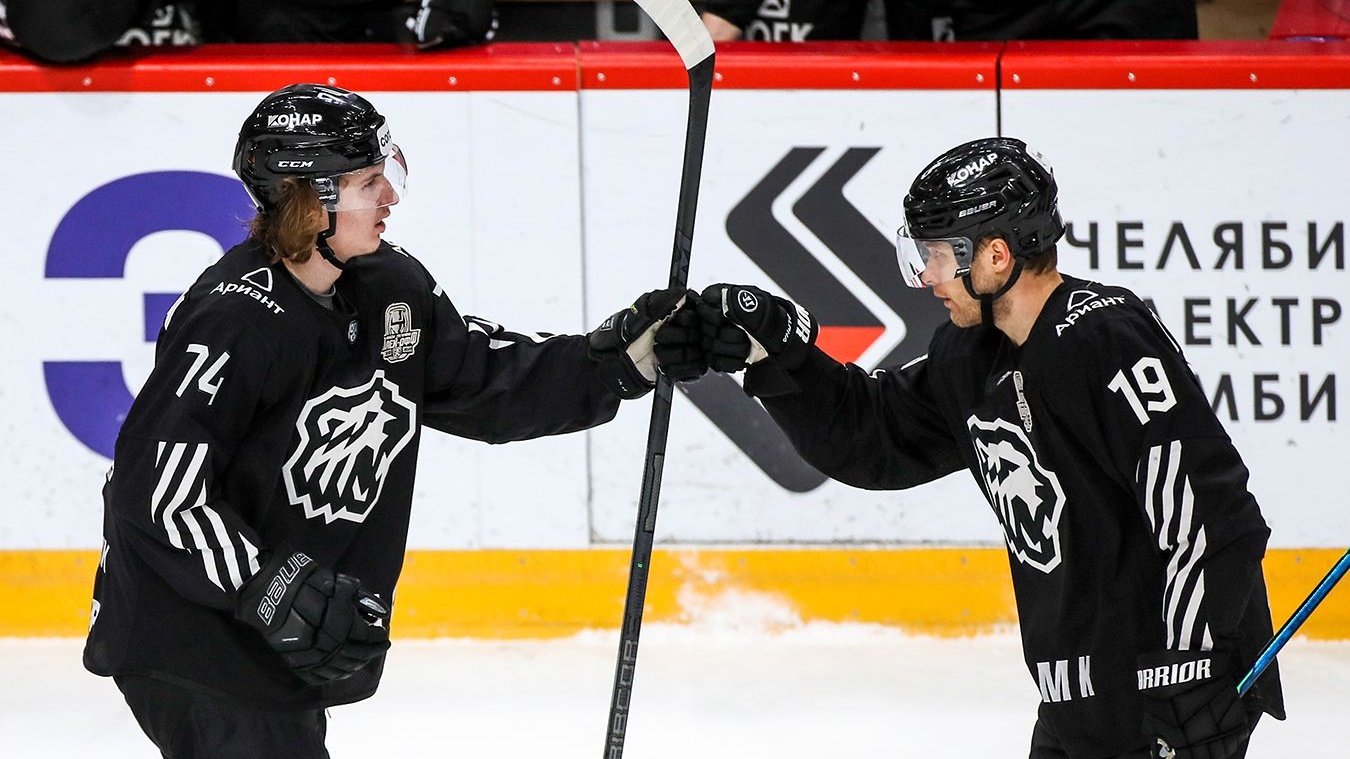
column 989, row 187
column 319, row 133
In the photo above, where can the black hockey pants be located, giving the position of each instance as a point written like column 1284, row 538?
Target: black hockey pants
column 185, row 724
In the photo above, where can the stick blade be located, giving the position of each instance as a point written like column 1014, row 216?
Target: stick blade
column 682, row 26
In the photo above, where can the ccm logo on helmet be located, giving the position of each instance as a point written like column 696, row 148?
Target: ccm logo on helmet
column 294, row 164
column 972, row 169
column 292, row 120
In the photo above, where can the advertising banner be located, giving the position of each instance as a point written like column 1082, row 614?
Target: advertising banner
column 801, row 196
column 127, row 195
column 543, row 192
column 1214, row 205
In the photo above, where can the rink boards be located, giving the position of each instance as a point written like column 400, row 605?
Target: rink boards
column 543, row 191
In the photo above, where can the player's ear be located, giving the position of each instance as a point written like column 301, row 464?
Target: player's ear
column 1000, row 255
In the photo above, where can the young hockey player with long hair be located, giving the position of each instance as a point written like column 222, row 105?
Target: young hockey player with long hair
column 258, row 510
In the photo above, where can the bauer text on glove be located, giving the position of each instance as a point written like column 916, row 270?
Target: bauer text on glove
column 324, row 625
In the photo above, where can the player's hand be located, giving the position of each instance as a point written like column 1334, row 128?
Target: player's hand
column 625, row 347
column 324, row 625
column 1191, row 706
column 743, row 325
column 679, row 343
column 719, row 28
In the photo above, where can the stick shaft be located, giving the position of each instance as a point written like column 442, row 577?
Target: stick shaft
column 700, row 91
column 1295, row 621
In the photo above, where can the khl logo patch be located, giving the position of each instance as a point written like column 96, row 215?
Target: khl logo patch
column 348, row 440
column 1026, row 496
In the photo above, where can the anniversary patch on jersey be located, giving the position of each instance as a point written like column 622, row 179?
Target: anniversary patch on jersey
column 1026, row 496
column 348, row 439
column 400, row 339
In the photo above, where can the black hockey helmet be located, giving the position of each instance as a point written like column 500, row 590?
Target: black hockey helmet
column 320, row 133
column 991, row 186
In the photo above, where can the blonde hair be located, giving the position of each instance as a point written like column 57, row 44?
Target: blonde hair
column 290, row 227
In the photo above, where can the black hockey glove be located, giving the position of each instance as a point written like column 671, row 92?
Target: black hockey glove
column 744, row 325
column 624, row 345
column 679, row 343
column 452, row 23
column 323, row 624
column 1191, row 705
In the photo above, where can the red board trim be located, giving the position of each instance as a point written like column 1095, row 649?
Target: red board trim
column 747, row 65
column 797, row 66
column 263, row 68
column 1175, row 65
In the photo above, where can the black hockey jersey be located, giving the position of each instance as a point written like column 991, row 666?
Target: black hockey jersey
column 1123, row 502
column 270, row 420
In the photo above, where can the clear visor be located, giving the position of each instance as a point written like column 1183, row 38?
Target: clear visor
column 377, row 186
column 932, row 261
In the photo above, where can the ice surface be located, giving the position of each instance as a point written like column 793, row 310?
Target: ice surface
column 804, row 692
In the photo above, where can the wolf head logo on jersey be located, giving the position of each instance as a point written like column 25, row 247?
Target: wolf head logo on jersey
column 348, row 438
column 1026, row 496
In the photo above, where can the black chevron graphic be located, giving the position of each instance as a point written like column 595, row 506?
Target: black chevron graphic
column 867, row 252
column 753, row 229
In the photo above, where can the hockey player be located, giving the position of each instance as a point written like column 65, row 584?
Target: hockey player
column 257, row 514
column 1134, row 545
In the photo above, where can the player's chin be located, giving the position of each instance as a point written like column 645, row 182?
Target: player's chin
column 370, row 247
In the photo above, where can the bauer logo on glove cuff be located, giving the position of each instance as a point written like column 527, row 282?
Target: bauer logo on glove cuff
column 276, row 589
column 1174, row 674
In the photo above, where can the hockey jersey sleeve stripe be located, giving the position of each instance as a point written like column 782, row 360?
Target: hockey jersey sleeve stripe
column 190, row 481
column 1150, row 483
column 199, row 542
column 1186, row 595
column 498, row 336
column 229, row 552
column 1188, row 639
column 1169, row 494
column 217, row 548
column 157, row 497
column 1174, row 529
column 187, row 481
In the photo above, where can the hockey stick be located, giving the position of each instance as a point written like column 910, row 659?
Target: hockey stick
column 1294, row 622
column 682, row 26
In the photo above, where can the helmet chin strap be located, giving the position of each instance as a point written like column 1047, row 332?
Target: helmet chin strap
column 987, row 299
column 322, row 243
